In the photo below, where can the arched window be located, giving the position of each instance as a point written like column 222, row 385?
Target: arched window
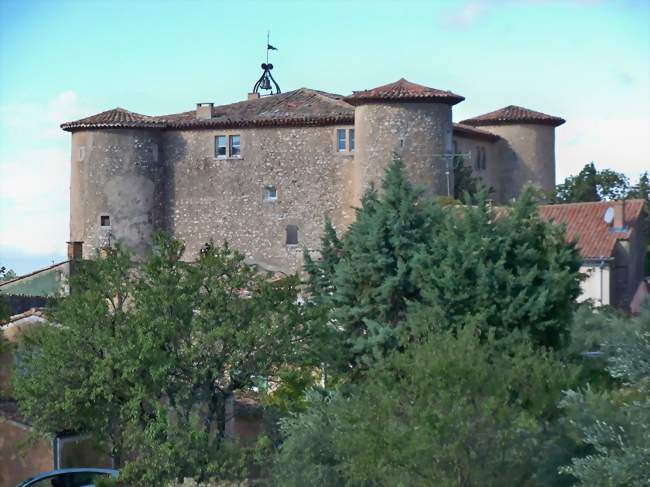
column 292, row 235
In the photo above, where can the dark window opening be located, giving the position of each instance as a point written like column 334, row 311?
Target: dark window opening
column 351, row 140
column 105, row 221
column 292, row 235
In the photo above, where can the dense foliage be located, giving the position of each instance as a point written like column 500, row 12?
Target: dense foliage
column 406, row 257
column 614, row 423
column 593, row 185
column 147, row 356
column 435, row 414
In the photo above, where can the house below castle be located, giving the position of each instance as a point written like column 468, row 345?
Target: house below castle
column 262, row 173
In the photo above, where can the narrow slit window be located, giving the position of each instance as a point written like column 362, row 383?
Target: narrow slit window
column 478, row 158
column 105, row 221
column 292, row 235
column 351, row 140
column 270, row 193
column 235, row 148
column 220, row 149
column 340, row 140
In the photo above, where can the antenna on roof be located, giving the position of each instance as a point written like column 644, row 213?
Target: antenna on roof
column 264, row 83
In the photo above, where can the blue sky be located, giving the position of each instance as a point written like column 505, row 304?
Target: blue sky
column 584, row 60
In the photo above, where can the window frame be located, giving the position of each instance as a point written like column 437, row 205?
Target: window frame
column 343, row 132
column 352, row 142
column 217, row 146
column 231, row 145
column 266, row 194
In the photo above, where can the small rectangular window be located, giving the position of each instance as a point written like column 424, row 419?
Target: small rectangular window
column 220, row 146
column 270, row 193
column 234, row 146
column 105, row 221
column 351, row 140
column 82, row 152
column 340, row 138
column 292, row 235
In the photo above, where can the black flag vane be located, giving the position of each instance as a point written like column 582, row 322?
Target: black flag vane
column 269, row 47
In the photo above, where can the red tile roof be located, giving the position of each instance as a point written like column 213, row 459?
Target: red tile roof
column 404, row 90
column 115, row 118
column 514, row 114
column 584, row 221
column 299, row 107
column 461, row 130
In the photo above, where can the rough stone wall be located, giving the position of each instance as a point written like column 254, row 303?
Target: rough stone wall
column 491, row 175
column 527, row 154
column 419, row 133
column 115, row 173
column 222, row 199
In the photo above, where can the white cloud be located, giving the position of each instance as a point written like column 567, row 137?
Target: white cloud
column 34, row 201
column 467, row 13
column 611, row 143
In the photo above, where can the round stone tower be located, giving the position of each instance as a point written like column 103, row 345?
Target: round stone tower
column 527, row 153
column 116, row 181
column 407, row 120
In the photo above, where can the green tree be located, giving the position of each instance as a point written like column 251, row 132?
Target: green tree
column 615, row 424
column 499, row 269
column 457, row 409
column 7, row 275
column 593, row 185
column 373, row 279
column 147, row 357
column 641, row 190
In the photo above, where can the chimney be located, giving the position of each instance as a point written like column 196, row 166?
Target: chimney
column 75, row 250
column 204, row 111
column 619, row 214
column 253, row 96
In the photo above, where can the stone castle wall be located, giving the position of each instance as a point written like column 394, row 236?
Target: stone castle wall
column 223, row 199
column 419, row 133
column 116, row 173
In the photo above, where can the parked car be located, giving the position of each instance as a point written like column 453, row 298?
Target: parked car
column 69, row 477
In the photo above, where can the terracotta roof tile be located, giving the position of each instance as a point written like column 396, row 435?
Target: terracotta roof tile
column 461, row 130
column 299, row 107
column 514, row 114
column 405, row 91
column 115, row 118
column 584, row 221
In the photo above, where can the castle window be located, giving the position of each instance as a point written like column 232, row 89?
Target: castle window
column 455, row 144
column 82, row 152
column 234, row 146
column 105, row 221
column 340, row 140
column 483, row 159
column 477, row 163
column 220, row 146
column 351, row 140
column 270, row 193
column 292, row 235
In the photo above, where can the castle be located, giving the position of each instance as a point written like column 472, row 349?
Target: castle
column 262, row 173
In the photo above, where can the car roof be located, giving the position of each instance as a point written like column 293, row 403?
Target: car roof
column 45, row 475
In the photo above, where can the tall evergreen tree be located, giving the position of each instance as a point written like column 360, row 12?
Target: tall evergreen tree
column 373, row 280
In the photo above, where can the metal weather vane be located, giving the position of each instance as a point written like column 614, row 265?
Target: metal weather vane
column 264, row 83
